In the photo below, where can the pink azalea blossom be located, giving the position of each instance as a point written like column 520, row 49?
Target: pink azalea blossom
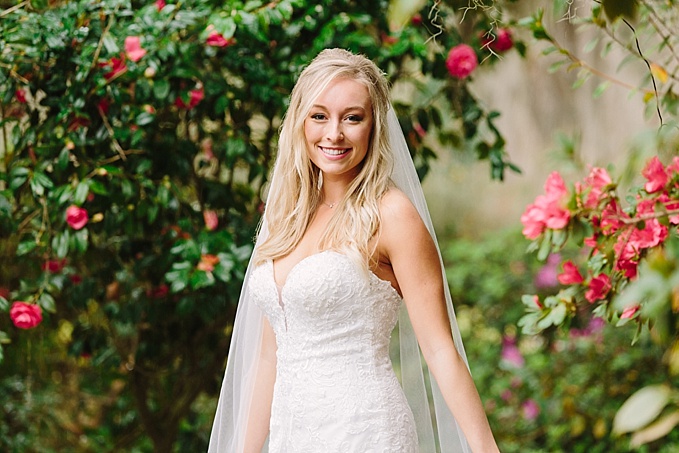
column 133, row 48
column 211, row 219
column 76, row 217
column 612, row 218
column 530, row 409
column 549, row 210
column 656, row 175
column 570, row 275
column 599, row 287
column 511, row 354
column 597, row 179
column 461, row 61
column 629, row 312
column 216, row 39
column 25, row 316
column 670, row 205
column 546, row 277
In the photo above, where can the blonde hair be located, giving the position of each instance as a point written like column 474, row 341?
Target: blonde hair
column 294, row 194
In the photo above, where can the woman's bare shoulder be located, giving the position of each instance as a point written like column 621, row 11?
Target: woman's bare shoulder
column 399, row 216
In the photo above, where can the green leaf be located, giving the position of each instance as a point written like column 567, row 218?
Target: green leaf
column 80, row 240
column 161, row 89
column 4, row 304
column 47, row 302
column 60, row 244
column 81, row 192
column 4, row 339
column 641, row 408
column 26, row 247
column 201, row 279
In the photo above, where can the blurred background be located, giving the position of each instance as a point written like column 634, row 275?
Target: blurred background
column 135, row 148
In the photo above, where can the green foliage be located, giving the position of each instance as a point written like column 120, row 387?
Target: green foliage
column 134, row 158
column 559, row 390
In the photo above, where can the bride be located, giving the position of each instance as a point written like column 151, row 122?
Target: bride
column 345, row 244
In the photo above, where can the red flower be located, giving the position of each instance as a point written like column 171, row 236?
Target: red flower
column 570, row 275
column 103, row 105
column 53, row 266
column 76, row 217
column 20, row 95
column 595, row 182
column 461, row 61
column 498, row 42
column 160, row 4
column 416, row 20
column 195, row 96
column 133, row 48
column 530, row 409
column 25, row 316
column 599, row 286
column 75, row 279
column 211, row 219
column 117, row 66
column 216, row 39
column 548, row 210
column 656, row 175
column 158, row 292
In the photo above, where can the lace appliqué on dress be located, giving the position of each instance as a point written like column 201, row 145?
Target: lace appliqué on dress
column 335, row 391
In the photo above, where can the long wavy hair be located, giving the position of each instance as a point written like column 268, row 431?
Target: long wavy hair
column 294, row 193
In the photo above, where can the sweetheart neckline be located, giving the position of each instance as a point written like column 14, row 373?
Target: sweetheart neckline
column 280, row 288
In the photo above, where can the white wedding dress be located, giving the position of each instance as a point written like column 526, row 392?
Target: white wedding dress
column 335, row 390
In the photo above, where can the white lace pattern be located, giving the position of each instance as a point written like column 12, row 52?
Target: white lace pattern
column 335, row 389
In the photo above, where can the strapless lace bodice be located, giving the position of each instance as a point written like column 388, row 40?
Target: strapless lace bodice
column 335, row 387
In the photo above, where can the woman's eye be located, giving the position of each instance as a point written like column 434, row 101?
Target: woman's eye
column 354, row 118
column 317, row 116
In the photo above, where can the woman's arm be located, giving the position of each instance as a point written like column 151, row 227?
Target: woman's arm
column 260, row 410
column 407, row 245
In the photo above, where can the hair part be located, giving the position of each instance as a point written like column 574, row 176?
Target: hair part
column 294, row 193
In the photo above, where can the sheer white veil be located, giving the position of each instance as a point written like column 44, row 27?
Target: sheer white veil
column 436, row 427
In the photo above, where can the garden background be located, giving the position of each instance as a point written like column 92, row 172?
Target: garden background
column 135, row 145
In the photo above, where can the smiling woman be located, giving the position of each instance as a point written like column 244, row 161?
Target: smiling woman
column 338, row 129
column 346, row 243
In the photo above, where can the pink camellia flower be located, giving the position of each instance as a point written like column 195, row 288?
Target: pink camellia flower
column 76, row 217
column 160, row 4
column 501, row 41
column 216, row 39
column 117, row 66
column 629, row 312
column 461, row 61
column 570, row 275
column 25, row 316
column 211, row 219
column 20, row 94
column 133, row 48
column 195, row 96
column 207, row 263
column 599, row 287
column 656, row 175
column 530, row 409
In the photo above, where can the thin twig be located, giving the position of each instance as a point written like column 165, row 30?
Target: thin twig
column 14, row 8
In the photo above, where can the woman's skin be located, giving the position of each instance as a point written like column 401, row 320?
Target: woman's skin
column 338, row 130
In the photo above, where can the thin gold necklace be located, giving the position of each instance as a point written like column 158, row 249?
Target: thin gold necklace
column 330, row 205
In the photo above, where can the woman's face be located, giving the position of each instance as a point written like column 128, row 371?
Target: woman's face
column 338, row 129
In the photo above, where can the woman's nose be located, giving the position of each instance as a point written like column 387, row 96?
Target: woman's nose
column 334, row 132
